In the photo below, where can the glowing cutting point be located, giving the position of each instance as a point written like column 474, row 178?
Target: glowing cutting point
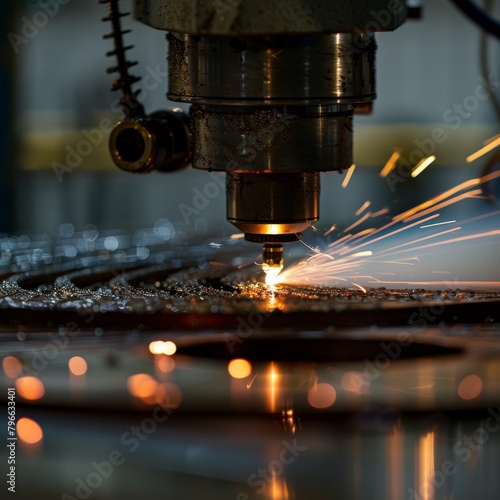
column 273, row 262
column 272, row 274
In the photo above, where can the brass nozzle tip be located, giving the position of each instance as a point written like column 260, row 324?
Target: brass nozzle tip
column 273, row 254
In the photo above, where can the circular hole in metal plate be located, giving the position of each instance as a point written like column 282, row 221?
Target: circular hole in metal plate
column 296, row 349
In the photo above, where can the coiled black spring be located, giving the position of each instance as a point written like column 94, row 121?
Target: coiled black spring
column 131, row 106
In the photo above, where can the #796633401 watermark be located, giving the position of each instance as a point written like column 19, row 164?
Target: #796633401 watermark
column 11, row 439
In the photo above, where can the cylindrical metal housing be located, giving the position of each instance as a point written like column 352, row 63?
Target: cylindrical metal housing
column 276, row 206
column 264, row 17
column 272, row 139
column 287, row 70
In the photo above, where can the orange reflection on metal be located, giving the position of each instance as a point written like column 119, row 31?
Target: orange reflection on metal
column 28, row 431
column 470, row 387
column 321, row 395
column 77, row 366
column 395, row 473
column 274, row 302
column 165, row 364
column 142, row 385
column 30, row 388
column 239, row 368
column 12, row 367
column 279, row 489
column 426, row 466
column 273, row 379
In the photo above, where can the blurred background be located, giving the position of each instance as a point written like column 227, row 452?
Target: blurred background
column 55, row 94
column 56, row 177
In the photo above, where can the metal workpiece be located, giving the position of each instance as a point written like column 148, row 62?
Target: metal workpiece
column 273, row 208
column 272, row 139
column 161, row 141
column 262, row 17
column 324, row 69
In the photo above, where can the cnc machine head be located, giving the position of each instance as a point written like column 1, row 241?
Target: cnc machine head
column 273, row 87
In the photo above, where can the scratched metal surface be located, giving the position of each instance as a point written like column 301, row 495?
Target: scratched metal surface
column 371, row 390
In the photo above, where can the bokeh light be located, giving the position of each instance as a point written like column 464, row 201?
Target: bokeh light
column 141, row 385
column 239, row 368
column 321, row 395
column 12, row 367
column 165, row 364
column 169, row 348
column 77, row 365
column 30, row 388
column 28, row 431
column 160, row 347
column 470, row 387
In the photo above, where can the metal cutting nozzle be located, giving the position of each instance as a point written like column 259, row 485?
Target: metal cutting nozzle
column 273, row 254
column 273, row 261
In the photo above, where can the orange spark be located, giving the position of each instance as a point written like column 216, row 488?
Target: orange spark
column 422, row 165
column 485, row 149
column 380, row 212
column 491, row 139
column 391, row 164
column 358, row 222
column 331, row 230
column 348, row 175
column 362, row 208
column 446, row 194
column 447, row 203
column 442, row 233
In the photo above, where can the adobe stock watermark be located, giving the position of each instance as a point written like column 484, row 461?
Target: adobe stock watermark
column 130, row 442
column 464, row 449
column 203, row 197
column 31, row 26
column 454, row 117
column 95, row 137
column 246, row 327
column 264, row 476
column 41, row 357
column 391, row 351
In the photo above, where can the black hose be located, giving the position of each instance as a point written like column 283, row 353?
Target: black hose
column 479, row 16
